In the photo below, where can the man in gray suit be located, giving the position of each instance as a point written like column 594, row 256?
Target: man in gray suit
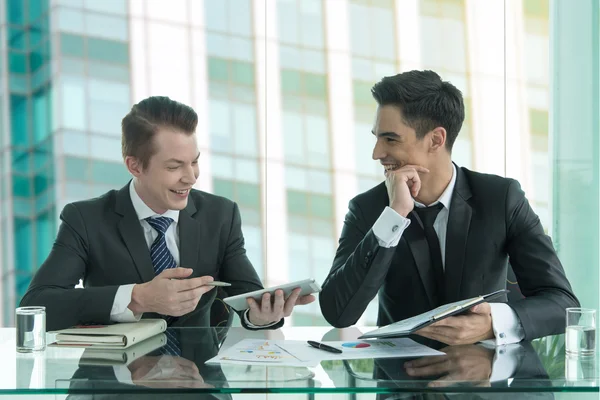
column 153, row 247
column 435, row 233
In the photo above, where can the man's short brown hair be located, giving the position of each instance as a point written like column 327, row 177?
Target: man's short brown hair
column 146, row 117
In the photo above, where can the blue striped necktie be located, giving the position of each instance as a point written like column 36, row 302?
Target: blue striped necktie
column 159, row 253
column 172, row 347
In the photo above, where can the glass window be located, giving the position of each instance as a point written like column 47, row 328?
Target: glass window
column 317, row 142
column 240, row 17
column 21, row 186
column 247, row 170
column 383, row 34
column 108, row 71
column 106, row 117
column 41, row 115
column 248, row 194
column 538, row 122
column 290, row 57
column 70, row 20
column 362, row 93
column 23, row 241
column 298, row 223
column 108, row 91
column 72, row 66
column 222, row 167
column 223, row 188
column 250, row 216
column 311, row 23
column 296, row 178
column 107, row 6
column 315, row 85
column 290, row 81
column 293, row 137
column 16, row 12
column 106, row 148
column 297, row 202
column 41, row 183
column 75, row 143
column 287, row 21
column 241, row 49
column 218, row 69
column 321, row 206
column 17, row 38
column 22, row 207
column 242, row 73
column 108, row 50
column 360, row 34
column 320, row 181
column 42, row 156
column 20, row 120
column 96, row 25
column 73, row 105
column 312, row 61
column 244, row 129
column 322, row 227
column 76, row 169
column 37, row 9
column 44, row 230
column 217, row 45
column 21, row 161
column 109, row 173
column 17, row 62
column 44, row 200
column 215, row 15
column 37, row 58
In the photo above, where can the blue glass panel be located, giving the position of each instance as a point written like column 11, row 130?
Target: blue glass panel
column 15, row 11
column 38, row 57
column 76, row 169
column 40, row 184
column 36, row 9
column 18, row 110
column 21, row 161
column 24, row 251
column 38, row 31
column 21, row 186
column 42, row 157
column 108, row 71
column 41, row 115
column 40, row 77
column 17, row 62
column 17, row 38
column 109, row 173
column 19, row 83
column 108, row 50
column 45, row 235
column 44, row 200
column 71, row 45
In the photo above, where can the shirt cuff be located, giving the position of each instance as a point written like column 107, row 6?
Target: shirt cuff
column 389, row 227
column 251, row 325
column 120, row 311
column 506, row 325
column 505, row 362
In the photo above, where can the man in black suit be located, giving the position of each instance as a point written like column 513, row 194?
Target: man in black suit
column 434, row 233
column 154, row 246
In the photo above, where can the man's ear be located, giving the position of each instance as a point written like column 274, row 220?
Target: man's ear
column 438, row 139
column 134, row 166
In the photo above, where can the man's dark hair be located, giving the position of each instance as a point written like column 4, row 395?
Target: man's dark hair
column 146, row 117
column 425, row 101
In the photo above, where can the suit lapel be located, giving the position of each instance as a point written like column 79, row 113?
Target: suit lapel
column 459, row 221
column 133, row 235
column 188, row 236
column 415, row 237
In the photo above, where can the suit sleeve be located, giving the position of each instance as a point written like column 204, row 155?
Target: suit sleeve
column 538, row 270
column 237, row 268
column 359, row 269
column 53, row 285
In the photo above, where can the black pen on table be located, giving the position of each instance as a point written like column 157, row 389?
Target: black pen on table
column 322, row 346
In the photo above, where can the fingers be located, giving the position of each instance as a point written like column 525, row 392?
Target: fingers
column 305, row 300
column 291, row 302
column 175, row 273
column 482, row 308
column 421, row 362
column 440, row 368
column 254, row 306
column 265, row 304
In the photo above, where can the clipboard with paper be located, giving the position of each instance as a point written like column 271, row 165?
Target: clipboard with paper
column 409, row 326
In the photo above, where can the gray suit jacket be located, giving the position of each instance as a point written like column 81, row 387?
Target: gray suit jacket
column 102, row 242
column 490, row 223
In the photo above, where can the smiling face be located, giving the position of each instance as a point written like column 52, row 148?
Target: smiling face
column 165, row 183
column 397, row 143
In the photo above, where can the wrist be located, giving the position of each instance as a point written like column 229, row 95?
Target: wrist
column 255, row 321
column 402, row 210
column 137, row 304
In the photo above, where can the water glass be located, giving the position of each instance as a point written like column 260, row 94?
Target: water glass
column 580, row 337
column 31, row 329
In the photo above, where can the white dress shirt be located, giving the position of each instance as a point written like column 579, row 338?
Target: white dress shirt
column 120, row 311
column 388, row 230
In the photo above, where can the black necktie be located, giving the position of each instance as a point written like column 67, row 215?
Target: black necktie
column 428, row 216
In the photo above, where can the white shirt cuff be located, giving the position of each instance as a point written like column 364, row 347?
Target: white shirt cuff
column 506, row 325
column 123, row 374
column 389, row 227
column 120, row 311
column 505, row 362
column 251, row 325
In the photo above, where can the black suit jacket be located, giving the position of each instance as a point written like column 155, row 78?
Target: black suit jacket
column 102, row 242
column 490, row 223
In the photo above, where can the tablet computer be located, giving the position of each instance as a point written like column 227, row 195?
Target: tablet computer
column 307, row 286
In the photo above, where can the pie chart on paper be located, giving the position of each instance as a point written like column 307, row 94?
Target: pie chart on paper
column 356, row 345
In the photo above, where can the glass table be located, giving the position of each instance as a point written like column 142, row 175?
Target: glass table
column 539, row 368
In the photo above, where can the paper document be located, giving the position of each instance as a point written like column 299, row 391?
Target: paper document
column 300, row 354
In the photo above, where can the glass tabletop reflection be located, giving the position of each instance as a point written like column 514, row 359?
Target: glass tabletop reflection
column 160, row 368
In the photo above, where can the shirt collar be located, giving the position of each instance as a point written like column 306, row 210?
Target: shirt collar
column 143, row 211
column 446, row 196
